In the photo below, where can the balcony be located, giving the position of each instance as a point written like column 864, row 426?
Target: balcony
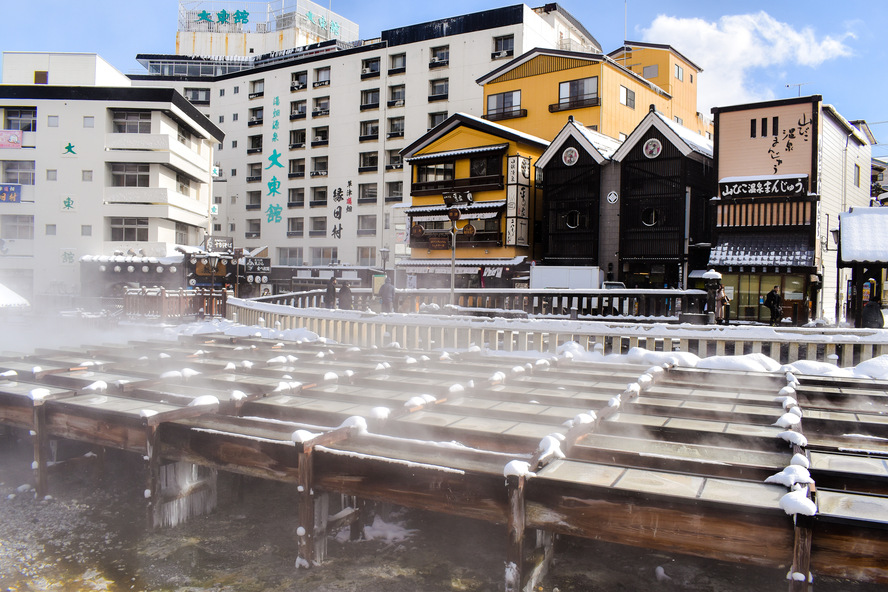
column 296, row 175
column 369, row 106
column 297, row 145
column 368, row 138
column 395, row 103
column 486, row 183
column 320, row 83
column 366, row 232
column 319, row 142
column 297, row 115
column 394, row 167
column 397, row 134
column 253, row 178
column 317, row 233
column 252, row 234
column 296, row 204
column 394, row 198
column 255, row 150
column 294, row 86
column 575, row 103
column 393, row 71
column 498, row 55
column 438, row 63
column 318, row 203
column 439, row 97
column 504, row 114
column 254, row 121
column 254, row 206
column 294, row 233
column 318, row 174
column 366, row 200
column 320, row 112
column 368, row 169
column 256, row 95
column 369, row 73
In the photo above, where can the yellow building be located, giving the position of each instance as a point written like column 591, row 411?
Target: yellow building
column 537, row 91
column 486, row 169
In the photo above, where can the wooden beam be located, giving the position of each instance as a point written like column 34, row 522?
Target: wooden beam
column 515, row 573
column 40, row 441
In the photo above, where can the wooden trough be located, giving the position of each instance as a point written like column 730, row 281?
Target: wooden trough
column 658, row 457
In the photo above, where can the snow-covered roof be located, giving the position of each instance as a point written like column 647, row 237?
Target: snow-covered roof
column 459, row 152
column 10, row 299
column 686, row 140
column 168, row 260
column 464, row 119
column 770, row 250
column 864, row 235
column 472, row 207
column 601, row 147
column 695, row 141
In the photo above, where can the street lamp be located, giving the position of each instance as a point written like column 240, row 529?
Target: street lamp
column 384, row 254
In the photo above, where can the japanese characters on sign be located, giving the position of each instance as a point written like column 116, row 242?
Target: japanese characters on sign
column 10, row 193
column 784, row 141
column 257, row 265
column 223, row 17
column 780, row 187
column 218, row 244
column 517, row 201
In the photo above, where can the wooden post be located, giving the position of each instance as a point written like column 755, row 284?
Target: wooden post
column 306, row 510
column 40, row 446
column 801, row 552
column 515, row 573
column 153, row 477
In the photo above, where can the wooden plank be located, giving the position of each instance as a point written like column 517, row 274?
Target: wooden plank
column 515, row 569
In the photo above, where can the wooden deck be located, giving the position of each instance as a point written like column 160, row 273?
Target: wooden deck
column 673, row 459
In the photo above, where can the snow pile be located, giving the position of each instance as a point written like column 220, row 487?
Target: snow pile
column 204, row 400
column 355, row 421
column 517, row 468
column 790, row 476
column 797, row 502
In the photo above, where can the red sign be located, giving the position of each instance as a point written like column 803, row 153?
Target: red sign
column 10, row 139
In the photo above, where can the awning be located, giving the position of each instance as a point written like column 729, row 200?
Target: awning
column 769, row 250
column 471, row 211
column 461, row 152
column 415, row 263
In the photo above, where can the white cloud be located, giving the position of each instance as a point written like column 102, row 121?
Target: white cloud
column 735, row 51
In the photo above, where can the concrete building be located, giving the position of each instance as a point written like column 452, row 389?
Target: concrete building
column 311, row 163
column 99, row 168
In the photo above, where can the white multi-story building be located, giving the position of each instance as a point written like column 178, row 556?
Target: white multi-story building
column 310, row 164
column 98, row 167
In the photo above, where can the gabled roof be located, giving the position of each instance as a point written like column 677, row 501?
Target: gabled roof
column 689, row 142
column 476, row 123
column 577, row 56
column 601, row 147
column 631, row 44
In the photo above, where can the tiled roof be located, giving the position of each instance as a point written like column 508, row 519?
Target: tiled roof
column 776, row 250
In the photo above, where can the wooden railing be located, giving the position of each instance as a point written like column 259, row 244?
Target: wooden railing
column 174, row 304
column 660, row 305
column 845, row 347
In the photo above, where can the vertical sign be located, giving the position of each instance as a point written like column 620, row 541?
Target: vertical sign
column 517, row 201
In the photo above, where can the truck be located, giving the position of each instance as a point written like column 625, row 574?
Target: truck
column 556, row 277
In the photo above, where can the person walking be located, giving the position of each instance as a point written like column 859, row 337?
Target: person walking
column 721, row 301
column 330, row 296
column 774, row 303
column 387, row 295
column 345, row 297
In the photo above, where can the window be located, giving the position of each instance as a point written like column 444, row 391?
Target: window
column 679, row 72
column 366, row 256
column 437, row 118
column 52, row 121
column 752, row 127
column 19, row 171
column 236, row 89
column 234, row 172
column 297, row 168
column 396, row 95
column 221, row 119
column 322, row 76
column 295, row 226
column 318, row 226
column 318, row 197
column 50, row 230
column 438, row 89
column 52, row 174
column 578, row 93
column 857, row 175
column 129, row 229
column 652, row 217
column 254, row 171
column 254, row 228
column 440, row 56
column 221, row 92
column 298, row 80
column 442, row 171
column 231, row 227
column 393, row 159
column 198, row 95
column 15, row 226
column 256, row 116
column 319, row 166
column 86, row 176
column 41, row 77
column 396, row 127
column 369, row 130
column 368, row 161
column 254, row 144
column 217, row 199
column 503, row 46
column 324, row 255
column 254, row 200
column 369, row 67
column 394, row 191
column 504, row 105
column 87, row 230
column 398, row 63
column 297, row 138
column 182, row 234
column 485, row 166
column 320, row 136
column 367, row 225
column 295, row 197
column 290, row 256
column 367, row 193
column 370, row 98
column 89, row 121
column 21, row 118
column 649, row 72
column 297, row 109
column 627, row 97
column 132, row 122
column 257, row 88
column 124, row 174
column 184, row 135
column 234, row 143
column 321, row 107
column 774, row 125
column 217, row 228
column 234, row 117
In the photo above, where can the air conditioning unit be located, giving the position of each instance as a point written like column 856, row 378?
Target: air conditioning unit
column 320, row 139
column 435, row 60
column 399, row 103
column 365, row 70
column 502, row 54
column 254, row 119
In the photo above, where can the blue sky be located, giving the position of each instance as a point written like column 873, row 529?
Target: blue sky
column 749, row 51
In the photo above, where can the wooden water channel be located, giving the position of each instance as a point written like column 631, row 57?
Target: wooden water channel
column 661, row 458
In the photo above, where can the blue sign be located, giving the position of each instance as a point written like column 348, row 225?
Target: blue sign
column 11, row 193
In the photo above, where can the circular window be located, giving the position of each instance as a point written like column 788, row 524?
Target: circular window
column 652, row 217
column 572, row 219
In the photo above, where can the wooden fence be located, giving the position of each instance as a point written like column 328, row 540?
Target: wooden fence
column 174, row 304
column 845, row 347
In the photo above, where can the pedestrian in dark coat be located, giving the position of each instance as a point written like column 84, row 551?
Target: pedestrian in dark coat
column 387, row 296
column 872, row 315
column 774, row 303
column 330, row 296
column 345, row 297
